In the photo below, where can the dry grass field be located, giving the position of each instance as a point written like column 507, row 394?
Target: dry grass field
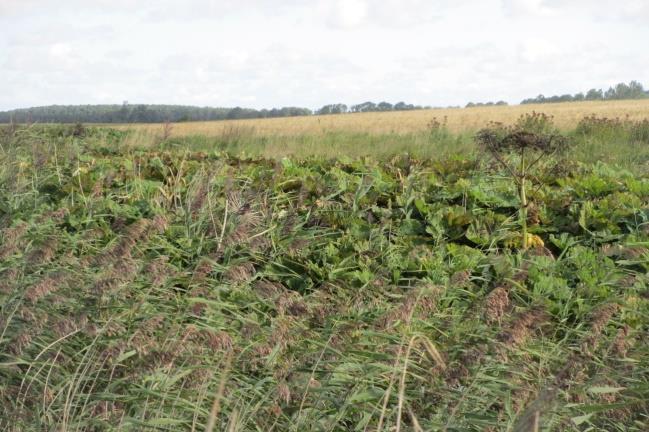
column 566, row 116
column 434, row 133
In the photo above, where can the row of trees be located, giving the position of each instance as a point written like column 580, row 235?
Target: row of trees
column 127, row 113
column 633, row 90
column 481, row 104
column 367, row 107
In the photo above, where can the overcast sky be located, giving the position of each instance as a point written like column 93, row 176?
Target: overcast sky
column 267, row 53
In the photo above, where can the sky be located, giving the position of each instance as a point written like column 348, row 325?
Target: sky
column 273, row 53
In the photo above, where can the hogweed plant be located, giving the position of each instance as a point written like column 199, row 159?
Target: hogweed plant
column 528, row 150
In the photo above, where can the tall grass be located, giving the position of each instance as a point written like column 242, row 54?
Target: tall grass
column 622, row 142
column 179, row 288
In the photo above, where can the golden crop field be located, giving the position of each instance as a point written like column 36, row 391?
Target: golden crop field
column 566, row 115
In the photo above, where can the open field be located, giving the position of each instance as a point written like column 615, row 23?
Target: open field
column 426, row 133
column 458, row 120
column 160, row 287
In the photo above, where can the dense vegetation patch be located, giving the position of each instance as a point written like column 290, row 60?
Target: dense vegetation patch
column 186, row 290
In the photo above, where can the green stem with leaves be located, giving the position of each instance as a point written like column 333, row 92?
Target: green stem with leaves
column 523, row 197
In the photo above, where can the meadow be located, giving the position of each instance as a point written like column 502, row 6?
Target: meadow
column 291, row 278
column 566, row 116
column 427, row 133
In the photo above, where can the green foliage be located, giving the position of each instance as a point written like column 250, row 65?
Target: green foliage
column 485, row 104
column 140, row 289
column 633, row 90
column 140, row 113
column 530, row 141
column 640, row 131
column 537, row 123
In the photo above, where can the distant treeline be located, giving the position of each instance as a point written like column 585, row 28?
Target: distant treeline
column 633, row 90
column 127, row 113
column 481, row 104
column 367, row 107
column 140, row 113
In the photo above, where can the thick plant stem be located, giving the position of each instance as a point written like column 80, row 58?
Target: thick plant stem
column 523, row 197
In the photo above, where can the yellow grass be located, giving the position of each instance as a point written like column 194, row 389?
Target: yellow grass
column 566, row 116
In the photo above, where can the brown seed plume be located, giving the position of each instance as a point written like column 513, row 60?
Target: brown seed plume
column 523, row 326
column 45, row 286
column 496, row 305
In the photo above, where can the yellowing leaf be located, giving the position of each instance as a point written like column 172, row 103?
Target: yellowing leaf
column 534, row 241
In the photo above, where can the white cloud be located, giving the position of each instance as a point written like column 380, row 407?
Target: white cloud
column 526, row 7
column 265, row 53
column 535, row 50
column 348, row 13
column 386, row 14
column 60, row 50
column 629, row 11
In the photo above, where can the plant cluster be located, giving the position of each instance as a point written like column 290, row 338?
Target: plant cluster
column 608, row 128
column 185, row 290
column 531, row 139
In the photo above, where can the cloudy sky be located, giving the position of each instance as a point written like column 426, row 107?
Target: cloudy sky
column 266, row 53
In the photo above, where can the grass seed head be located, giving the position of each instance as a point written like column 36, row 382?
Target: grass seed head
column 601, row 316
column 290, row 303
column 523, row 326
column 45, row 286
column 199, row 197
column 203, row 269
column 460, row 278
column 240, row 272
column 44, row 254
column 622, row 342
column 283, row 393
column 22, row 341
column 217, row 341
column 496, row 305
column 160, row 223
column 8, row 280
